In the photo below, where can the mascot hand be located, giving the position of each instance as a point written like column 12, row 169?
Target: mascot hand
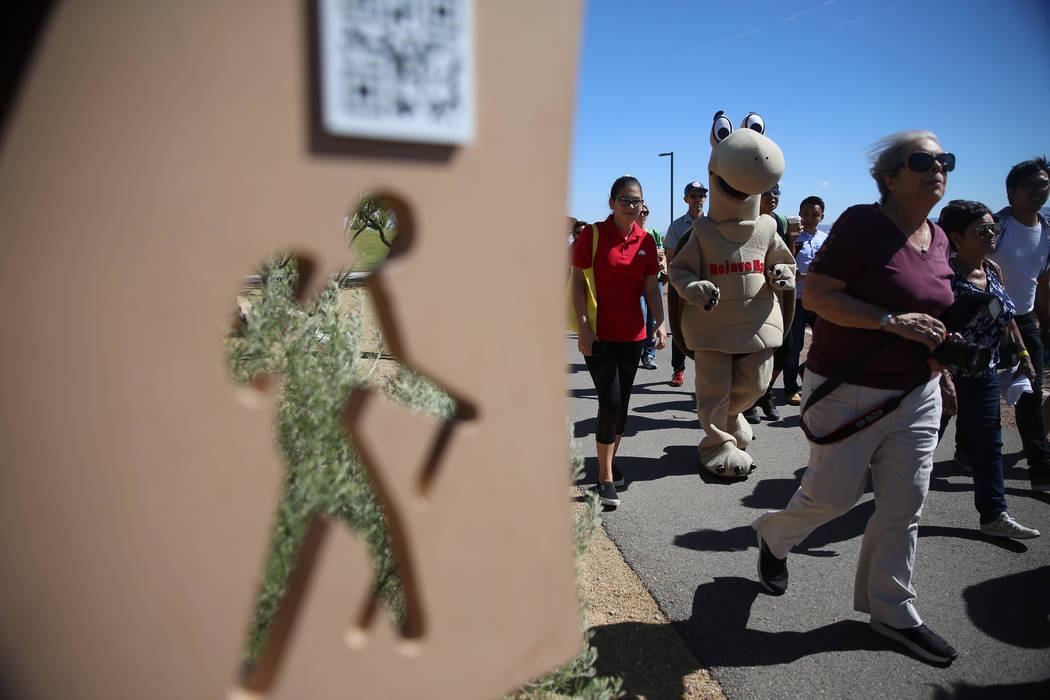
column 703, row 293
column 781, row 276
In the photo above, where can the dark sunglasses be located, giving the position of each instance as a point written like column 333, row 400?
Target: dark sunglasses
column 987, row 228
column 921, row 161
column 644, row 213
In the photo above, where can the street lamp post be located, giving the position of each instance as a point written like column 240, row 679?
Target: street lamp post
column 672, row 181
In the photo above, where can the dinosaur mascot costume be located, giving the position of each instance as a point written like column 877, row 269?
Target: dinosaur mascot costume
column 731, row 274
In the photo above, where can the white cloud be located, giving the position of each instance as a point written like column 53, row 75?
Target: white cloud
column 825, row 184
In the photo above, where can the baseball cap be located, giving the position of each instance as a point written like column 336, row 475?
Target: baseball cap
column 693, row 187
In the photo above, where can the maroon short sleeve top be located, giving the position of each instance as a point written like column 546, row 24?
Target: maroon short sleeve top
column 868, row 252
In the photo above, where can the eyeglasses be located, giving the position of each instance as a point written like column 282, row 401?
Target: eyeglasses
column 1036, row 186
column 774, row 192
column 628, row 202
column 921, row 161
column 644, row 213
column 988, row 228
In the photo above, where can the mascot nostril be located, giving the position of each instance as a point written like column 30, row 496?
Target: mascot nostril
column 733, row 255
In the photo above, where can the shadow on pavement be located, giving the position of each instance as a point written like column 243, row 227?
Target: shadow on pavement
column 1015, row 691
column 1013, row 609
column 738, row 539
column 783, row 422
column 677, row 461
column 741, row 538
column 681, row 404
column 736, row 645
column 583, row 393
column 972, row 534
column 771, row 493
column 636, row 424
column 637, row 653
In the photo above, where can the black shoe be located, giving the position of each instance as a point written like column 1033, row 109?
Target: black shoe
column 772, row 572
column 751, row 415
column 618, row 479
column 607, row 494
column 921, row 641
column 769, row 409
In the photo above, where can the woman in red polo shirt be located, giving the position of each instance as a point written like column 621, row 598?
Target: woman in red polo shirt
column 626, row 265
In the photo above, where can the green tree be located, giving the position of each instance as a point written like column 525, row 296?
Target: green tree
column 372, row 213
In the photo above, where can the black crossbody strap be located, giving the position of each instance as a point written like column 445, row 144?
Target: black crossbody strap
column 856, row 424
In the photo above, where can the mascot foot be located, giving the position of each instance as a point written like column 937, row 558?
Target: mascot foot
column 741, row 431
column 728, row 462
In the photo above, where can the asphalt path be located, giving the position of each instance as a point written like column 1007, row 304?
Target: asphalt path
column 687, row 535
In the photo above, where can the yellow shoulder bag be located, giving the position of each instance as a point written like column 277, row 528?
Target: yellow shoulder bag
column 590, row 295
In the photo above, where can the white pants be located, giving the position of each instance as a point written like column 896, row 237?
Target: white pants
column 899, row 452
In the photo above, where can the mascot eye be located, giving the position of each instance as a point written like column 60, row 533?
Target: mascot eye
column 753, row 121
column 721, row 128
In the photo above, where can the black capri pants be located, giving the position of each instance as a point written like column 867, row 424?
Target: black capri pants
column 612, row 367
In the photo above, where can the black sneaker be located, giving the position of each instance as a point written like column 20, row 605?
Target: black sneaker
column 607, row 494
column 769, row 409
column 751, row 415
column 772, row 572
column 618, row 479
column 921, row 641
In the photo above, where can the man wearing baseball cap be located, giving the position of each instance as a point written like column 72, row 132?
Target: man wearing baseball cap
column 695, row 194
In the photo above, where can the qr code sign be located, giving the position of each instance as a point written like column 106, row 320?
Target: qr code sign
column 398, row 69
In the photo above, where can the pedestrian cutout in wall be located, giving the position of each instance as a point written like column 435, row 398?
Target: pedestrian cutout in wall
column 326, row 355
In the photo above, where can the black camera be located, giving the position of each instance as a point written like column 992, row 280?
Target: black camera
column 959, row 354
column 956, row 352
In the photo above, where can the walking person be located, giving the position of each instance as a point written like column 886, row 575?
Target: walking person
column 625, row 266
column 804, row 248
column 1023, row 254
column 978, row 433
column 878, row 286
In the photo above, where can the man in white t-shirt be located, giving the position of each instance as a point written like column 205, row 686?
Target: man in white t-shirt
column 1023, row 254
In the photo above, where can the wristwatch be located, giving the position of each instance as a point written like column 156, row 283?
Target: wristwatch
column 885, row 320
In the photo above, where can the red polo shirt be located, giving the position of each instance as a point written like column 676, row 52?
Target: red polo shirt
column 621, row 266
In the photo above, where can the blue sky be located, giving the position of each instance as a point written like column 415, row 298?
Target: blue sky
column 830, row 77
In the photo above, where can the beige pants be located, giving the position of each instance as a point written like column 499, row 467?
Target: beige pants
column 724, row 388
column 898, row 450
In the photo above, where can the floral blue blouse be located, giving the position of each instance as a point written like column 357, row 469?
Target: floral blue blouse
column 984, row 332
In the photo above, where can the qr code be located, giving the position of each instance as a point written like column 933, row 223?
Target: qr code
column 398, row 69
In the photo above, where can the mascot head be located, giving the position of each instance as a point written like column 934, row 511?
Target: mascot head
column 743, row 165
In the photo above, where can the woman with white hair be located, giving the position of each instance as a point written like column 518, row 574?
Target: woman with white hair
column 870, row 396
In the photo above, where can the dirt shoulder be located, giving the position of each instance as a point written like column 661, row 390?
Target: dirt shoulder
column 634, row 639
